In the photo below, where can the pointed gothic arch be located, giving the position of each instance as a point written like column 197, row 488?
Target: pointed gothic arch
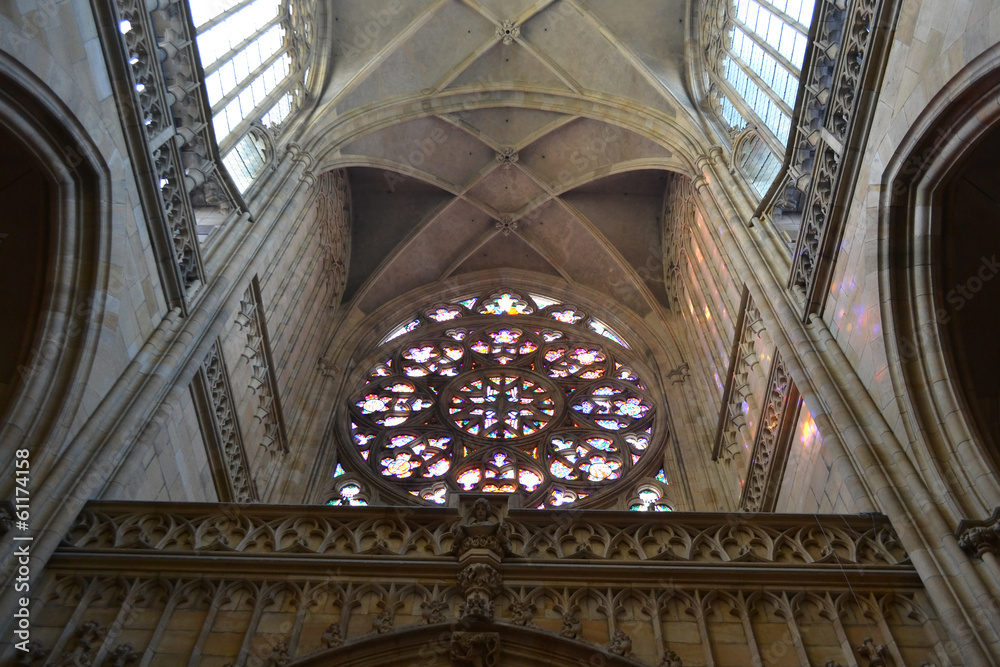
column 928, row 370
column 497, row 644
column 71, row 284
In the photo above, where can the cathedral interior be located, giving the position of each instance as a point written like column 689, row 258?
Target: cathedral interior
column 499, row 332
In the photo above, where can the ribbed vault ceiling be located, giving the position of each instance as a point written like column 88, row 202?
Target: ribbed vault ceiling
column 547, row 152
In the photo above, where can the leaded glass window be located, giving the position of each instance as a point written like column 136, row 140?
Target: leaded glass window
column 251, row 73
column 755, row 50
column 502, row 393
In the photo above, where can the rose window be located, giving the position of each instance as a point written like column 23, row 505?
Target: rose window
column 501, row 405
column 503, row 394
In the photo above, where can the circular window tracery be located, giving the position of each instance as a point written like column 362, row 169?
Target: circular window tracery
column 501, row 403
column 515, row 406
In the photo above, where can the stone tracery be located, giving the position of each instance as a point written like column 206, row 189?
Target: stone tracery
column 510, row 407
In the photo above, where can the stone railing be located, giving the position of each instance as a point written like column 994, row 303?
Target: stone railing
column 533, row 535
column 832, row 119
column 742, row 361
column 771, row 441
column 169, row 104
column 231, row 453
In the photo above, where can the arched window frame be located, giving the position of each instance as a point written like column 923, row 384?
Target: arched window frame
column 754, row 160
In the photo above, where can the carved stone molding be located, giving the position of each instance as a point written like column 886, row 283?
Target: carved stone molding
column 476, row 649
column 227, row 429
column 678, row 214
column 771, row 442
column 334, row 216
column 370, row 609
column 211, row 530
column 257, row 352
column 742, row 360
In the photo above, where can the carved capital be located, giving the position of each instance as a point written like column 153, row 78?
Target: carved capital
column 978, row 538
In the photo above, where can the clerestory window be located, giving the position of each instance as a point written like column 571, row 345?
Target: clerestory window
column 755, row 50
column 252, row 70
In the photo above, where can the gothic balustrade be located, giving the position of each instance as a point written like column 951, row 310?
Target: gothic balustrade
column 830, row 123
column 169, row 103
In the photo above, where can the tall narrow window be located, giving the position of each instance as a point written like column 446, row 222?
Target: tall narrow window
column 755, row 52
column 251, row 74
